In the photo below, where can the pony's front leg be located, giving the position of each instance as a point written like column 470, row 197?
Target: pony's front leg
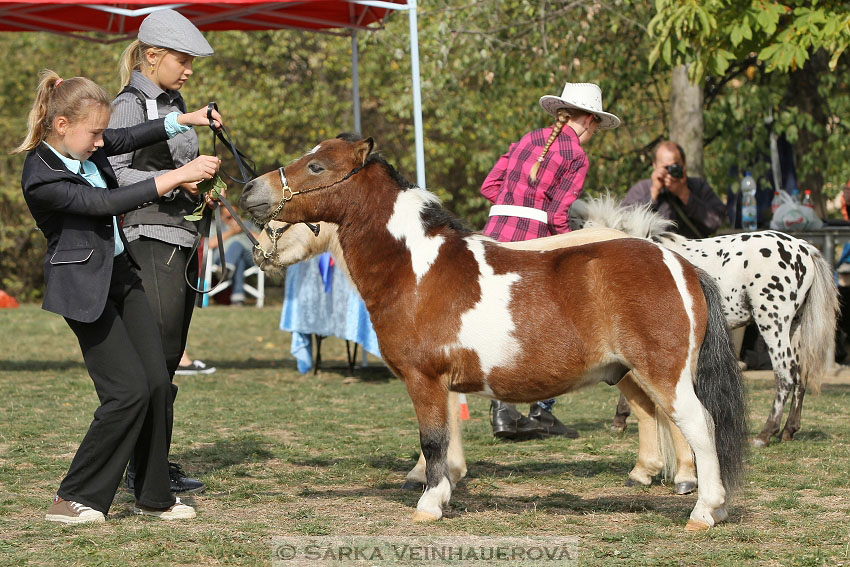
column 430, row 400
column 415, row 479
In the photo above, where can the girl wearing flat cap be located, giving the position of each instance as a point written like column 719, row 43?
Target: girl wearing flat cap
column 532, row 188
column 153, row 70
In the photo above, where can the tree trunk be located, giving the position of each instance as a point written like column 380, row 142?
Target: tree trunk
column 686, row 128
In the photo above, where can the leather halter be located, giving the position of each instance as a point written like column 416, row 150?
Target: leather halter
column 287, row 193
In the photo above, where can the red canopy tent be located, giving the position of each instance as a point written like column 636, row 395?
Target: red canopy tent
column 110, row 22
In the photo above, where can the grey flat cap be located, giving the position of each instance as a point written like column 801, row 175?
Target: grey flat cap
column 171, row 30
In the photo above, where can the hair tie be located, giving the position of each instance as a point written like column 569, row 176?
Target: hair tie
column 58, row 81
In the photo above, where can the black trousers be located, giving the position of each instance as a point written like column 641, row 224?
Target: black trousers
column 123, row 354
column 172, row 301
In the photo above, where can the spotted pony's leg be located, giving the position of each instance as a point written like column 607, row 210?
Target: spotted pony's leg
column 786, row 368
column 792, row 422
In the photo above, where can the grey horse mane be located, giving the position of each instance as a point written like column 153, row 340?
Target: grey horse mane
column 638, row 220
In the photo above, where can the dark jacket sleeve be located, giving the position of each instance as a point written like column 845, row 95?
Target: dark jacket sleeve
column 704, row 207
column 118, row 141
column 45, row 190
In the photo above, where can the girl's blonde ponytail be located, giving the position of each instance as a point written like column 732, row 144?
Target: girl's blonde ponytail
column 56, row 97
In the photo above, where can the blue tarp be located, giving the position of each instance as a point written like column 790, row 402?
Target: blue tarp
column 308, row 309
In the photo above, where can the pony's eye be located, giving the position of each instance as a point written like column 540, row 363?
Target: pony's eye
column 315, row 168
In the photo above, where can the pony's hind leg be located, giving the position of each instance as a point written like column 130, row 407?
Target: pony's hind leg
column 415, row 479
column 651, row 458
column 792, row 422
column 697, row 426
column 673, row 443
column 649, row 461
column 787, row 377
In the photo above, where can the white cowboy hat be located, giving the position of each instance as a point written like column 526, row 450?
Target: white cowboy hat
column 583, row 96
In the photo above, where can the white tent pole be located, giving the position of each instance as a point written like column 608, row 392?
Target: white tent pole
column 355, row 81
column 417, row 97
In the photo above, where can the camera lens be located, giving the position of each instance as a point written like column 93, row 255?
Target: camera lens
column 675, row 170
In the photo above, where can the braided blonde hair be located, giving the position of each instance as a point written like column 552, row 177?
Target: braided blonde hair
column 562, row 118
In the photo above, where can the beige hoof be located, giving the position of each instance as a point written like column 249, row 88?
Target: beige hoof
column 423, row 517
column 696, row 526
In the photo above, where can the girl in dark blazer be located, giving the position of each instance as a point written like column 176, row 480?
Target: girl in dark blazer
column 91, row 280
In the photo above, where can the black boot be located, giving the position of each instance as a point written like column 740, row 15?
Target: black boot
column 508, row 423
column 547, row 424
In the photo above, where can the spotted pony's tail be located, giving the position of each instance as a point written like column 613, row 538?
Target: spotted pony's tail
column 815, row 337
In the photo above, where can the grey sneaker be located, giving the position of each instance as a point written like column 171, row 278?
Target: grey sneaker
column 177, row 511
column 69, row 512
column 197, row 367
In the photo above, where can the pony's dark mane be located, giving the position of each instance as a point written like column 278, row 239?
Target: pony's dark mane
column 399, row 180
column 433, row 216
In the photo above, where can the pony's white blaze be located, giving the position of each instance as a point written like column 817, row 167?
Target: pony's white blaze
column 406, row 224
column 488, row 328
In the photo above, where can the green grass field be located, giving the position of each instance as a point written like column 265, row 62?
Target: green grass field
column 285, row 454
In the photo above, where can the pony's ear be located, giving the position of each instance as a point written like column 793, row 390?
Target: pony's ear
column 363, row 149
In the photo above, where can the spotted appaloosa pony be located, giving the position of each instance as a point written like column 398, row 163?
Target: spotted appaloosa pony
column 457, row 311
column 781, row 283
column 283, row 244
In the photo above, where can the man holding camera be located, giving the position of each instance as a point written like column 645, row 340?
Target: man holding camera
column 688, row 201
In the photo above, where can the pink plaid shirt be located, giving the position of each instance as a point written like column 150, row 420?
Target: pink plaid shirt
column 560, row 180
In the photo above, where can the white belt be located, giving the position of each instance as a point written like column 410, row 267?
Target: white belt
column 517, row 211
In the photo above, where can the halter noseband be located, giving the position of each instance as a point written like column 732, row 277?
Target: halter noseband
column 286, row 195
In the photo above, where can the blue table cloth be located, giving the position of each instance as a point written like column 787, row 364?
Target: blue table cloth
column 319, row 300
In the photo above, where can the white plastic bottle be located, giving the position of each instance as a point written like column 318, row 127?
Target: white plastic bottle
column 749, row 209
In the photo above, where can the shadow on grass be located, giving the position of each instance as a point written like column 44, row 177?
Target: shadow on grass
column 38, row 365
column 659, row 500
column 485, row 469
column 226, row 453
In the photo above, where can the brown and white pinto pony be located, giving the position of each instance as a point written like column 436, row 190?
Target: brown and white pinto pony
column 456, row 311
column 283, row 244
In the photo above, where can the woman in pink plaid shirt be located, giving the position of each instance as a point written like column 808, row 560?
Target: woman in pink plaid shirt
column 532, row 187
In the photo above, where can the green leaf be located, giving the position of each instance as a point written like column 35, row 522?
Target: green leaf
column 193, row 217
column 736, row 36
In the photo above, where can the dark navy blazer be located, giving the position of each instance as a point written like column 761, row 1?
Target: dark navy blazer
column 76, row 219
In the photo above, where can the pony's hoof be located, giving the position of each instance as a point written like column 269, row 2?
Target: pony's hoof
column 759, row 442
column 696, row 526
column 685, row 487
column 420, row 517
column 630, row 482
column 413, row 485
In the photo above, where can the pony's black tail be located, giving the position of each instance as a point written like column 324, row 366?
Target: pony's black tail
column 720, row 388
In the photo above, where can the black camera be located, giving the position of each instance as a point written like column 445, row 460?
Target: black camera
column 675, row 170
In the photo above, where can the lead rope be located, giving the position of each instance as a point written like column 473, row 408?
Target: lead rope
column 246, row 169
